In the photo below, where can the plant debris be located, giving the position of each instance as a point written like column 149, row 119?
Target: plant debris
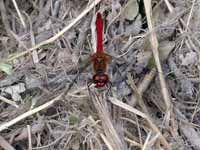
column 46, row 101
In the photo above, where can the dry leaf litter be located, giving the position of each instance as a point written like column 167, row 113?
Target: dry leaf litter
column 131, row 114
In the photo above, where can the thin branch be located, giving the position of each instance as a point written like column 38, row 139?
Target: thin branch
column 29, row 137
column 34, row 53
column 154, row 44
column 111, row 133
column 190, row 15
column 8, row 101
column 5, row 144
column 106, row 141
column 19, row 13
column 169, row 6
column 146, row 142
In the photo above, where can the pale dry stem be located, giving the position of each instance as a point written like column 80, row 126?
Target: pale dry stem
column 133, row 142
column 106, row 141
column 169, row 6
column 146, row 141
column 34, row 53
column 138, row 96
column 5, row 144
column 9, row 101
column 154, row 44
column 19, row 13
column 190, row 15
column 112, row 136
column 29, row 137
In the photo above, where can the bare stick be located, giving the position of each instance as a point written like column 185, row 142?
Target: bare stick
column 146, row 141
column 106, row 141
column 133, row 142
column 142, row 87
column 34, row 53
column 154, row 44
column 190, row 15
column 137, row 94
column 8, row 101
column 169, row 6
column 19, row 13
column 29, row 137
column 113, row 139
column 5, row 145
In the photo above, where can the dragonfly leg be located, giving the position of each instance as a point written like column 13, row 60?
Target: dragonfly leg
column 108, row 86
column 115, row 111
column 91, row 95
column 89, row 83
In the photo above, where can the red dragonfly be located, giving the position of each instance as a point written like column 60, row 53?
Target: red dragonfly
column 100, row 59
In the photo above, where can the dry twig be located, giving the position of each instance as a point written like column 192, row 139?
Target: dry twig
column 112, row 136
column 19, row 13
column 154, row 44
column 5, row 145
column 29, row 137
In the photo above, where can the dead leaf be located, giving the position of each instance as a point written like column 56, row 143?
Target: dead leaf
column 6, row 68
column 130, row 10
column 32, row 82
column 4, row 40
column 115, row 6
column 189, row 59
column 65, row 57
column 143, row 58
column 165, row 48
column 135, row 27
column 15, row 91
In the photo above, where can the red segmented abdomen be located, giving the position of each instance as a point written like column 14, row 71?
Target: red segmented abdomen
column 99, row 29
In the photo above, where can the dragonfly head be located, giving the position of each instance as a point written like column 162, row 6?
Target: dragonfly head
column 100, row 80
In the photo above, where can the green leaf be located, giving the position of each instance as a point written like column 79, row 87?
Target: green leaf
column 6, row 68
column 73, row 120
column 151, row 63
column 50, row 46
column 171, row 76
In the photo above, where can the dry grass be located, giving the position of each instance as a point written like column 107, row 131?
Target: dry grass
column 153, row 102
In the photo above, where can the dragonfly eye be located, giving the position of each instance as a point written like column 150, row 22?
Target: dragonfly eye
column 99, row 60
column 99, row 84
column 100, row 78
column 93, row 57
